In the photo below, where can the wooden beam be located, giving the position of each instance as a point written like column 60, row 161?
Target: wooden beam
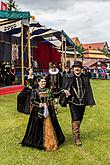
column 22, row 55
column 75, row 55
column 29, row 49
column 65, row 55
column 62, row 55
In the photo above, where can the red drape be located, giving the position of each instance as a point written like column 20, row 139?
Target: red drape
column 45, row 53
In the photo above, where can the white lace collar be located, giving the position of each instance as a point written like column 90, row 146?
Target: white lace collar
column 55, row 72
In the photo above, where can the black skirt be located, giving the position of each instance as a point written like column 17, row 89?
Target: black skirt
column 34, row 136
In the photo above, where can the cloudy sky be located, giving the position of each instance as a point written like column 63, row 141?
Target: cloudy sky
column 89, row 20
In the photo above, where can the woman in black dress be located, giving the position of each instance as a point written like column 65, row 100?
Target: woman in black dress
column 23, row 99
column 43, row 130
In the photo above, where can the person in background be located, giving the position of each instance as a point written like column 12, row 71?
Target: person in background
column 79, row 93
column 65, row 75
column 43, row 130
column 54, row 82
column 60, row 67
column 12, row 73
column 1, row 76
column 23, row 99
column 7, row 75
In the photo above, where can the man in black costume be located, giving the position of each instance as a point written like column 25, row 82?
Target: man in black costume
column 54, row 82
column 79, row 93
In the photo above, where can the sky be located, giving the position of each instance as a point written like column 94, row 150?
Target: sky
column 89, row 20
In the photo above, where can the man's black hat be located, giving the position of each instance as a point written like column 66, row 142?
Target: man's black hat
column 53, row 65
column 77, row 63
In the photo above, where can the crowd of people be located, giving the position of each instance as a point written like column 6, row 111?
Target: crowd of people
column 7, row 74
column 11, row 76
column 98, row 73
column 40, row 99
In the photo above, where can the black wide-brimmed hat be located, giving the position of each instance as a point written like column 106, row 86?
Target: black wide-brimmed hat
column 53, row 65
column 77, row 63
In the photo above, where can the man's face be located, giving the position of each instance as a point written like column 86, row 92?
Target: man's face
column 53, row 69
column 66, row 69
column 77, row 70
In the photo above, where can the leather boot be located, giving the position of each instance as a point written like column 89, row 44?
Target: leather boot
column 76, row 132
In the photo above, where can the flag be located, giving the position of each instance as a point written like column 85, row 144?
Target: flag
column 4, row 6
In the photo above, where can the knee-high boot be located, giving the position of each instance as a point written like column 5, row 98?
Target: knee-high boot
column 76, row 132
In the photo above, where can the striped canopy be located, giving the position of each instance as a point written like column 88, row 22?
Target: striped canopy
column 13, row 27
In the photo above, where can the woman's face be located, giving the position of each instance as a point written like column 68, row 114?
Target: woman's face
column 42, row 83
column 30, row 72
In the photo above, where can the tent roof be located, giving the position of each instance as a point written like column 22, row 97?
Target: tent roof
column 16, row 15
column 38, row 31
column 53, row 36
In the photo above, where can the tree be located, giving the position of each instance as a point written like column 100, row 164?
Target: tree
column 12, row 5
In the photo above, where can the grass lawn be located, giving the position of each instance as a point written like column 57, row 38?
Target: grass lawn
column 95, row 134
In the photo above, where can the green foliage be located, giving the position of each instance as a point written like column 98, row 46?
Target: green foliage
column 12, row 5
column 95, row 134
column 50, row 95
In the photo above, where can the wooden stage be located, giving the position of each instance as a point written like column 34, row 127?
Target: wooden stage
column 10, row 89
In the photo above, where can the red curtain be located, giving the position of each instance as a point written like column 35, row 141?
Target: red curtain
column 45, row 53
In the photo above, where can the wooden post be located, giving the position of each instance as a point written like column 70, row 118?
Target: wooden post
column 22, row 55
column 62, row 55
column 29, row 49
column 65, row 55
column 75, row 55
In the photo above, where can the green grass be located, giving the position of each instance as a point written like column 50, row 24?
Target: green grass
column 95, row 134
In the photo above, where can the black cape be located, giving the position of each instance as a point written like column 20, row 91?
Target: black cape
column 89, row 95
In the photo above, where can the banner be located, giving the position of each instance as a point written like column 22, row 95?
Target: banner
column 14, row 52
column 13, row 27
column 4, row 6
column 10, row 26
